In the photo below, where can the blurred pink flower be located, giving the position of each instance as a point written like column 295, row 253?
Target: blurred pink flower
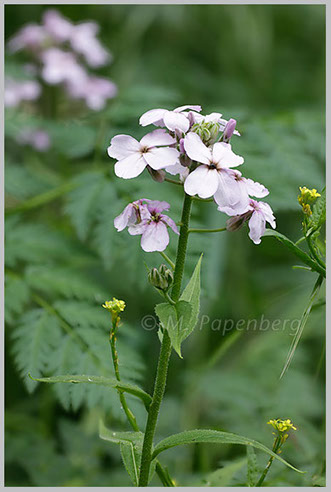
column 94, row 90
column 83, row 40
column 57, row 26
column 38, row 139
column 61, row 66
column 17, row 91
column 31, row 36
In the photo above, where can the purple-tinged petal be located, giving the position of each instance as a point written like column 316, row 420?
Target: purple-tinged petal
column 130, row 167
column 256, row 227
column 196, row 149
column 203, row 181
column 137, row 229
column 157, row 207
column 154, row 116
column 176, row 121
column 268, row 213
column 171, row 223
column 226, row 195
column 155, row 237
column 157, row 137
column 122, row 220
column 178, row 169
column 159, row 158
column 183, row 108
column 122, row 146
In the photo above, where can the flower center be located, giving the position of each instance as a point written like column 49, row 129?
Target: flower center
column 144, row 150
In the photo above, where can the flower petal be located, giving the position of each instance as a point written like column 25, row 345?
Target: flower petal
column 196, row 149
column 122, row 145
column 256, row 227
column 178, row 169
column 183, row 108
column 171, row 223
column 136, row 229
column 157, row 207
column 268, row 213
column 157, row 137
column 154, row 116
column 130, row 167
column 122, row 220
column 155, row 237
column 223, row 154
column 176, row 121
column 254, row 188
column 202, row 181
column 159, row 158
column 227, row 195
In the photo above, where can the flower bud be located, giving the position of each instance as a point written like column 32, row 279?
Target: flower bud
column 229, row 129
column 235, row 223
column 161, row 278
column 156, row 175
column 207, row 131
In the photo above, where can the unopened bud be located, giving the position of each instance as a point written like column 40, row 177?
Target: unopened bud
column 161, row 278
column 229, row 129
column 156, row 175
column 235, row 223
column 207, row 131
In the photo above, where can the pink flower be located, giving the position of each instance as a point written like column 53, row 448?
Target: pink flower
column 83, row 40
column 94, row 90
column 178, row 119
column 17, row 91
column 214, row 175
column 31, row 36
column 38, row 139
column 147, row 220
column 217, row 119
column 57, row 26
column 243, row 189
column 134, row 156
column 61, row 66
column 258, row 214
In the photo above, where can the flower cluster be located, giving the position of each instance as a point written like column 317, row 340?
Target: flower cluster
column 306, row 198
column 198, row 149
column 144, row 217
column 115, row 307
column 60, row 51
column 282, row 425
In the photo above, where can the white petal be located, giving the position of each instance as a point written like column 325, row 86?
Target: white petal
column 268, row 213
column 130, row 166
column 157, row 137
column 182, row 108
column 203, row 182
column 159, row 158
column 155, row 237
column 212, row 117
column 255, row 189
column 196, row 149
column 256, row 227
column 122, row 145
column 176, row 121
column 137, row 229
column 154, row 116
column 177, row 169
column 223, row 154
column 157, row 207
column 227, row 193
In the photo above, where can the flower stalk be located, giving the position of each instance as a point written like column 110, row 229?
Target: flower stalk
column 162, row 369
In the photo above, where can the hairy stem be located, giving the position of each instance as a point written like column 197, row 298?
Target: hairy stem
column 162, row 369
column 275, row 448
column 167, row 259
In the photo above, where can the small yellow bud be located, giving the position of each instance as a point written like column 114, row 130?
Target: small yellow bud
column 307, row 195
column 115, row 307
column 282, row 426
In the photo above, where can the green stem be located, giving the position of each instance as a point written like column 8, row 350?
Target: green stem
column 162, row 369
column 314, row 253
column 173, row 181
column 267, row 468
column 167, row 259
column 131, row 418
column 221, row 229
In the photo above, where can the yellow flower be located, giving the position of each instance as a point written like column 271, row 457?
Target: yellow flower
column 115, row 307
column 282, row 425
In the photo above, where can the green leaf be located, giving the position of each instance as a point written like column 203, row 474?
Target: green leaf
column 252, row 470
column 296, row 250
column 175, row 319
column 223, row 476
column 191, row 294
column 103, row 381
column 318, row 217
column 216, row 437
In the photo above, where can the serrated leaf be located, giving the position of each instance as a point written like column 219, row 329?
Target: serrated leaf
column 252, row 470
column 100, row 380
column 216, row 437
column 296, row 250
column 175, row 319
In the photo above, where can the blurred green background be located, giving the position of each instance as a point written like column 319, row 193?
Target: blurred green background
column 261, row 64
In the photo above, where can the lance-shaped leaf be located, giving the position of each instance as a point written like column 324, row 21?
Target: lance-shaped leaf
column 101, row 380
column 176, row 320
column 216, row 437
column 252, row 470
column 318, row 216
column 191, row 294
column 297, row 251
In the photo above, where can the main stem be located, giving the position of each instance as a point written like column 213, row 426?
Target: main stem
column 162, row 368
column 271, row 459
